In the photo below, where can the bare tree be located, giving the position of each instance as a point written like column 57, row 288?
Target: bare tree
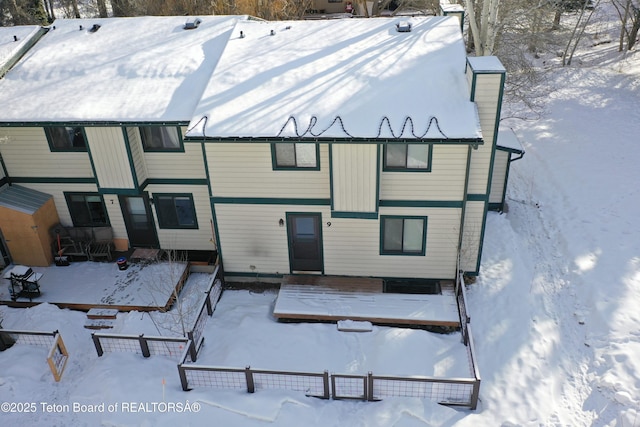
column 629, row 12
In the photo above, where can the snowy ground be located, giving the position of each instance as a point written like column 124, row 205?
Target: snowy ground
column 555, row 309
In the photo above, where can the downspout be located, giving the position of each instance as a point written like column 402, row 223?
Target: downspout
column 463, row 210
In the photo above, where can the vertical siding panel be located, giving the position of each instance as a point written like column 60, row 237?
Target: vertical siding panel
column 110, row 157
column 354, row 169
column 135, row 144
column 470, row 245
column 498, row 176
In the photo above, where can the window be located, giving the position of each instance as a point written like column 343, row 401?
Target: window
column 295, row 156
column 161, row 138
column 66, row 138
column 407, row 157
column 175, row 210
column 403, row 235
column 87, row 209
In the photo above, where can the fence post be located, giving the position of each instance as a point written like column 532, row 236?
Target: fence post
column 369, row 388
column 193, row 352
column 183, row 378
column 475, row 394
column 251, row 388
column 325, row 380
column 144, row 346
column 96, row 342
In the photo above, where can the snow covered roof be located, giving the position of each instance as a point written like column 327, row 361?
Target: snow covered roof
column 130, row 69
column 508, row 141
column 13, row 42
column 344, row 78
column 486, row 63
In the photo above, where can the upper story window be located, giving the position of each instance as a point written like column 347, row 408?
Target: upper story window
column 66, row 138
column 295, row 156
column 407, row 157
column 175, row 210
column 161, row 138
column 403, row 235
column 87, row 209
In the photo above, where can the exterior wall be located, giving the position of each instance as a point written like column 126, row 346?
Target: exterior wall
column 137, row 154
column 57, row 191
column 110, row 157
column 500, row 165
column 325, row 6
column 444, row 182
column 470, row 247
column 354, row 177
column 185, row 165
column 116, row 220
column 245, row 170
column 488, row 90
column 193, row 239
column 253, row 243
column 26, row 153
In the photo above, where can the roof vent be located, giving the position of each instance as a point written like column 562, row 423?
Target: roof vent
column 241, row 34
column 273, row 33
column 403, row 27
column 81, row 28
column 192, row 23
column 94, row 28
column 15, row 38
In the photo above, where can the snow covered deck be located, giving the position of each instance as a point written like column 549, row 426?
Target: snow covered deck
column 86, row 285
column 337, row 298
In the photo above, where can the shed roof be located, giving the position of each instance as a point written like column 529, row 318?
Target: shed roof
column 131, row 69
column 508, row 141
column 346, row 78
column 22, row 199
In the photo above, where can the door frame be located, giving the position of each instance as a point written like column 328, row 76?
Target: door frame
column 127, row 222
column 318, row 216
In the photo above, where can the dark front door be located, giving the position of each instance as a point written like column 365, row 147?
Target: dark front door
column 305, row 242
column 139, row 222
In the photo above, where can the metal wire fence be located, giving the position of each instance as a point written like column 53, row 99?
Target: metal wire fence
column 56, row 358
column 147, row 346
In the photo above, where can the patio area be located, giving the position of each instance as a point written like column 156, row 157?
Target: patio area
column 84, row 285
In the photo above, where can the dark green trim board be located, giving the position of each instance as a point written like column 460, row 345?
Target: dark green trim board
column 251, row 140
column 93, row 166
column 422, row 252
column 61, row 180
column 132, row 165
column 120, row 191
column 4, row 169
column 358, row 215
column 378, row 175
column 216, row 231
column 270, row 201
column 477, row 197
column 206, row 169
column 4, row 181
column 253, row 274
column 274, row 164
column 174, row 181
column 457, row 204
column 464, row 204
column 93, row 123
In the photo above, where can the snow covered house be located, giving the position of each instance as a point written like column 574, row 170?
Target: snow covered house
column 341, row 147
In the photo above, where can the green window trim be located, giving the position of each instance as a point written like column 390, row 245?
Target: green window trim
column 87, row 209
column 175, row 211
column 164, row 133
column 407, row 227
column 294, row 161
column 59, row 136
column 406, row 167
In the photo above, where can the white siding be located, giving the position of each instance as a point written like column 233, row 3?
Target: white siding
column 186, row 165
column 135, row 144
column 444, row 182
column 245, row 170
column 487, row 96
column 110, row 157
column 473, row 222
column 198, row 239
column 112, row 203
column 355, row 177
column 499, row 174
column 26, row 153
column 253, row 241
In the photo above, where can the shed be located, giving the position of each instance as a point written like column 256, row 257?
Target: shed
column 26, row 216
